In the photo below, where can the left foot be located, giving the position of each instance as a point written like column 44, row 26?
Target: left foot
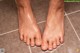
column 54, row 31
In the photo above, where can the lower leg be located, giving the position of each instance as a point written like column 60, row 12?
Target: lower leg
column 24, row 6
column 29, row 31
column 56, row 7
column 54, row 31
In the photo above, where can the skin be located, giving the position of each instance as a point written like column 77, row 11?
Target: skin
column 54, row 29
column 29, row 31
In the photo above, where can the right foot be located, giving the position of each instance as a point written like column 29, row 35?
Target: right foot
column 29, row 31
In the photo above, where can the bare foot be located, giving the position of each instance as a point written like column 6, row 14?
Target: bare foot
column 29, row 31
column 54, row 31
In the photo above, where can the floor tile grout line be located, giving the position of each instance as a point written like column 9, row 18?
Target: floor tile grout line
column 72, row 26
column 41, row 22
column 8, row 32
column 30, row 49
column 17, row 29
column 73, row 12
column 38, row 23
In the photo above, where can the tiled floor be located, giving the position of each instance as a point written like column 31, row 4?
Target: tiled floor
column 9, row 36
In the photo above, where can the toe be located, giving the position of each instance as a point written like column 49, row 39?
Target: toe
column 58, row 42
column 32, row 42
column 38, row 40
column 61, row 39
column 28, row 41
column 44, row 45
column 21, row 37
column 25, row 38
column 50, row 45
column 54, row 44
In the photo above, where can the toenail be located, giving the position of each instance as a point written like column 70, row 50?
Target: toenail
column 32, row 45
column 55, row 46
column 27, row 44
column 38, row 43
column 50, row 48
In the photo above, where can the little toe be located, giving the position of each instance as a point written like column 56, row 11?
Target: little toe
column 61, row 39
column 32, row 42
column 44, row 45
column 50, row 45
column 21, row 37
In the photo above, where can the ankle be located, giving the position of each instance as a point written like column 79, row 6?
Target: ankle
column 57, row 5
column 21, row 7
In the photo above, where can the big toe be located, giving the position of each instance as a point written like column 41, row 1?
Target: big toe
column 44, row 45
column 38, row 40
column 61, row 39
